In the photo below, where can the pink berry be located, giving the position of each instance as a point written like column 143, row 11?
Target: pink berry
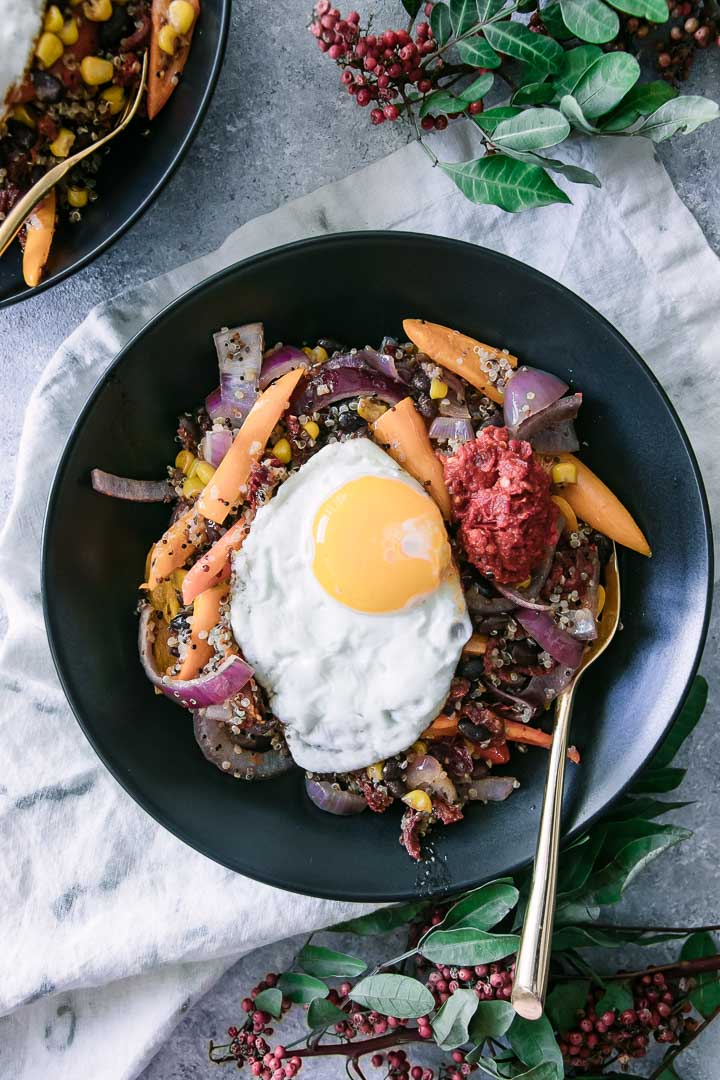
column 377, row 116
column 391, row 112
column 376, row 1061
column 364, row 97
column 475, row 107
column 427, row 124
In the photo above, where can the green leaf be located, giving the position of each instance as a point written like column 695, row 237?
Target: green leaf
column 537, row 93
column 440, row 23
column 440, row 101
column 605, row 83
column 381, row 921
column 590, row 20
column 690, row 713
column 586, row 937
column 450, row 1025
column 564, row 1002
column 463, row 15
column 617, row 996
column 467, row 946
column 654, row 10
column 679, row 117
column 478, row 53
column 573, row 873
column 490, row 119
column 552, row 17
column 543, row 1071
column 500, row 181
column 533, row 129
column 477, row 89
column 322, row 1014
column 487, row 8
column 655, row 781
column 412, row 7
column 607, row 885
column 394, row 995
column 270, row 1001
column 640, row 101
column 574, row 65
column 492, row 1018
column 570, row 108
column 643, row 807
column 572, row 172
column 302, row 989
column 328, row 964
column 483, row 908
column 514, row 39
column 706, row 996
column 534, row 1043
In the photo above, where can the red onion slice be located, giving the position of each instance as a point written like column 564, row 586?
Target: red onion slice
column 337, row 384
column 240, row 354
column 333, row 800
column 211, row 689
column 556, row 439
column 427, row 773
column 384, row 363
column 213, row 404
column 560, row 411
column 489, row 789
column 222, row 748
column 529, row 391
column 583, row 625
column 214, row 445
column 450, row 428
column 119, row 487
column 279, row 361
column 562, row 646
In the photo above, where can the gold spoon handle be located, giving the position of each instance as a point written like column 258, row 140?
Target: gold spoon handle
column 533, row 958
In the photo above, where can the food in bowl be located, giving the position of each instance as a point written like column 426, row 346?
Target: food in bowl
column 64, row 87
column 382, row 565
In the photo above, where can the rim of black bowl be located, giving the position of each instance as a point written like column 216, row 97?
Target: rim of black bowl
column 28, row 293
column 144, row 800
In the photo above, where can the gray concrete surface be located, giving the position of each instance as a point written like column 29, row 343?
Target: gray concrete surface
column 278, row 128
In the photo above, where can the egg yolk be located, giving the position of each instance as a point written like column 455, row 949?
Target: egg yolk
column 379, row 544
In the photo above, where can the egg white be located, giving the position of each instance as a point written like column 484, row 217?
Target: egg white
column 351, row 687
column 20, row 26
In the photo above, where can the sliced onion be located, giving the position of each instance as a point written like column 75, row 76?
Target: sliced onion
column 542, row 689
column 240, row 353
column 119, row 487
column 479, row 604
column 279, row 361
column 337, row 384
column 224, row 748
column 447, row 427
column 556, row 439
column 583, row 625
column 489, row 789
column 526, row 710
column 426, row 772
column 456, row 384
column 332, row 799
column 211, row 689
column 528, row 598
column 214, row 405
column 529, row 391
column 384, row 363
column 565, row 409
column 214, row 445
column 450, row 406
column 562, row 646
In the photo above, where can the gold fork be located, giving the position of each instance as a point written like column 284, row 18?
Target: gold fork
column 533, row 958
column 13, row 223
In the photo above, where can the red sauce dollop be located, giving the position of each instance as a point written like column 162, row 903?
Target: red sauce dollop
column 501, row 499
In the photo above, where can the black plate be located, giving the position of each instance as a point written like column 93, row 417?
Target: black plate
column 136, row 167
column 357, row 287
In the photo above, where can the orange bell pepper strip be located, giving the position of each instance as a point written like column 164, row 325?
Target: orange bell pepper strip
column 441, row 726
column 39, row 238
column 402, row 432
column 458, row 353
column 214, row 566
column 175, row 547
column 522, row 733
column 205, row 616
column 476, row 645
column 165, row 70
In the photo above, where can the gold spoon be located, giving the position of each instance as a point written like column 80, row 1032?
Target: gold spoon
column 533, row 958
column 15, row 219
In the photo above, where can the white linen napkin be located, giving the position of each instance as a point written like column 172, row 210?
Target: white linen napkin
column 109, row 926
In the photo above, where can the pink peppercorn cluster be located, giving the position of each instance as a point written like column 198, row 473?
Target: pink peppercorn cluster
column 654, row 1012
column 491, row 982
column 376, row 67
column 399, row 1067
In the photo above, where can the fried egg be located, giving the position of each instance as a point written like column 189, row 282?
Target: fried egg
column 347, row 603
column 20, row 26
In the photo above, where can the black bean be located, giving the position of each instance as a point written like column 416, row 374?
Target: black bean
column 427, row 407
column 476, row 733
column 523, row 653
column 392, row 770
column 21, row 134
column 421, row 381
column 350, row 421
column 331, row 345
column 48, row 88
column 472, row 667
column 116, row 27
column 396, row 788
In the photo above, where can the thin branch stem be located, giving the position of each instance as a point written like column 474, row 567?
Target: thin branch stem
column 668, row 1060
column 356, row 1050
column 679, row 967
column 358, row 1070
column 658, row 929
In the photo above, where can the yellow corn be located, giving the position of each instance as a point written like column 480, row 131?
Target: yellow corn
column 318, row 355
column 22, row 114
column 204, row 471
column 49, row 49
column 193, row 486
column 97, row 10
column 62, row 143
column 177, row 577
column 115, row 97
column 77, row 196
column 375, row 772
column 282, row 451
column 181, row 15
column 164, row 598
column 184, row 461
column 420, row 748
column 438, row 389
column 565, row 472
column 69, row 32
column 96, row 71
column 167, row 39
column 308, row 351
column 370, row 410
column 53, row 19
column 601, row 599
column 524, row 584
column 312, row 429
column 418, row 800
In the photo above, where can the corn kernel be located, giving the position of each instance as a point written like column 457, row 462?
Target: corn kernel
column 418, row 800
column 181, row 15
column 319, row 355
column 77, row 196
column 49, row 49
column 438, row 389
column 370, row 410
column 193, row 485
column 177, row 577
column 69, row 33
column 420, row 748
column 524, row 584
column 204, row 471
column 97, row 10
column 115, row 96
column 375, row 772
column 22, row 114
column 95, row 71
column 600, row 599
column 312, row 429
column 167, row 39
column 164, row 598
column 565, row 472
column 62, row 143
column 308, row 351
column 53, row 19
column 282, row 451
column 184, row 461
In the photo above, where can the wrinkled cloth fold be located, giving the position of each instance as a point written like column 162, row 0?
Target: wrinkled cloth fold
column 109, row 925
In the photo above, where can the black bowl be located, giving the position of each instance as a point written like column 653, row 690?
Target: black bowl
column 136, row 167
column 357, row 287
